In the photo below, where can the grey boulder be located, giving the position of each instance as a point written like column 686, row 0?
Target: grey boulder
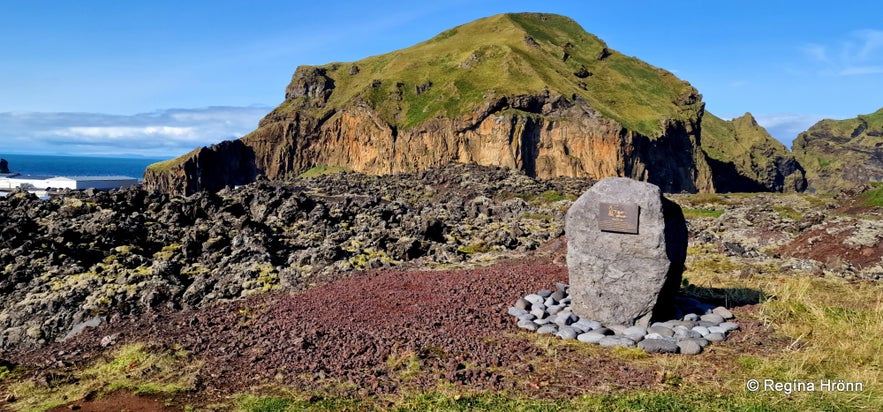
column 621, row 278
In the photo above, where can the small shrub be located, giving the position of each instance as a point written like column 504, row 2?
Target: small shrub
column 4, row 372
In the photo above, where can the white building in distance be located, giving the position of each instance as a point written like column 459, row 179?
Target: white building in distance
column 12, row 181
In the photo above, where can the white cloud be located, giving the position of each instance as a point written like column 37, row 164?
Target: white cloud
column 860, row 54
column 164, row 133
column 125, row 133
column 786, row 126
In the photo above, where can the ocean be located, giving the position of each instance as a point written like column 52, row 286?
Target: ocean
column 77, row 165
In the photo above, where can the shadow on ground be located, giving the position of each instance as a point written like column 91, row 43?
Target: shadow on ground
column 726, row 297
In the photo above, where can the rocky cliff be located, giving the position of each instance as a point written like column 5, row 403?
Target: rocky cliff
column 838, row 154
column 745, row 158
column 229, row 163
column 528, row 91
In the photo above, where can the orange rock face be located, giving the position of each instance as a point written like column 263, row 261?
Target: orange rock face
column 559, row 137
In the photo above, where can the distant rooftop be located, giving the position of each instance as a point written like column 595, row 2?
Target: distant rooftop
column 70, row 178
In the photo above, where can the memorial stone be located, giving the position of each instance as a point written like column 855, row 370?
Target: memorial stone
column 626, row 246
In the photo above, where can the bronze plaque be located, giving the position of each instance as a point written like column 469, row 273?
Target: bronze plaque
column 620, row 218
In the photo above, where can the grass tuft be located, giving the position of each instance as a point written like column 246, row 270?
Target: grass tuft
column 132, row 368
column 873, row 197
column 788, row 212
column 699, row 199
column 697, row 213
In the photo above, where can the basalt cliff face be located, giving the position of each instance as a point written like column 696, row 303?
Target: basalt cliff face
column 229, row 163
column 545, row 136
column 533, row 92
column 745, row 158
column 839, row 154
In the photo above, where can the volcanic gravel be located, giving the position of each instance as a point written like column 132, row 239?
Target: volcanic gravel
column 377, row 332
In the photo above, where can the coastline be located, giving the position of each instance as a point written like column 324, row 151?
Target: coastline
column 52, row 165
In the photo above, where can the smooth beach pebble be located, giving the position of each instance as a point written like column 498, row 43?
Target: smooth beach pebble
column 695, row 326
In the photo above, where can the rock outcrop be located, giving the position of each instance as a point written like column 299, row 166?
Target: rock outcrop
column 533, row 92
column 71, row 261
column 839, row 154
column 745, row 158
column 227, row 164
column 4, row 166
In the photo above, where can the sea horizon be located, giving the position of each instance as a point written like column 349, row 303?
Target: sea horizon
column 78, row 165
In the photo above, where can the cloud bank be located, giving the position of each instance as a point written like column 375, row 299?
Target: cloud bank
column 173, row 132
column 160, row 134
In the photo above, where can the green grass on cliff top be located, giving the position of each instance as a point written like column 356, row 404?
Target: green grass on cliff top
column 828, row 146
column 730, row 140
column 844, row 129
column 167, row 165
column 508, row 54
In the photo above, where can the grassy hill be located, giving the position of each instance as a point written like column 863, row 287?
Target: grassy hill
column 745, row 158
column 508, row 54
column 842, row 153
column 521, row 66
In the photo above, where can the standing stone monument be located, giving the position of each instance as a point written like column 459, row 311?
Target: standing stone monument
column 626, row 246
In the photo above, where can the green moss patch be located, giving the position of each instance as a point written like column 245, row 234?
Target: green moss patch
column 132, row 367
column 322, row 170
column 695, row 213
column 873, row 197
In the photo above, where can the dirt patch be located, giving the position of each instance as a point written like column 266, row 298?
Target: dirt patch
column 828, row 244
column 118, row 401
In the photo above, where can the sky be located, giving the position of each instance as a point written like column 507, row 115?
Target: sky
column 160, row 78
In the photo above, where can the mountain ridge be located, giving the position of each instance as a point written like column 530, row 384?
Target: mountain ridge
column 528, row 91
column 842, row 153
column 745, row 158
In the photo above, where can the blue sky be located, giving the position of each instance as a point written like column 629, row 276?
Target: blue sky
column 159, row 78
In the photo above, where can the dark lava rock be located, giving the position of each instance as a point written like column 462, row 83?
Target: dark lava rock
column 92, row 254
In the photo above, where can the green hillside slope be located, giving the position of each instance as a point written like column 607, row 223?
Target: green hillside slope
column 509, row 54
column 745, row 158
column 838, row 154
